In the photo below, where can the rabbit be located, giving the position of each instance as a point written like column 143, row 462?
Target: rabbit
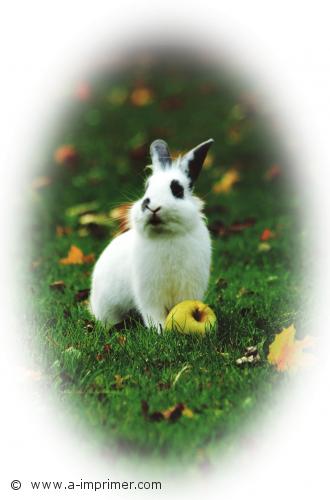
column 165, row 256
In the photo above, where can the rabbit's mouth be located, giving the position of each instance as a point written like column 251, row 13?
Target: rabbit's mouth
column 155, row 220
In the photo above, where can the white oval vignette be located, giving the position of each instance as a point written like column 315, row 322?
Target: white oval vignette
column 286, row 53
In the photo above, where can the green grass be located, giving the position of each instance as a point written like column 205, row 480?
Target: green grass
column 81, row 359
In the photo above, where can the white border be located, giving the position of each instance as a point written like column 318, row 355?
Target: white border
column 284, row 46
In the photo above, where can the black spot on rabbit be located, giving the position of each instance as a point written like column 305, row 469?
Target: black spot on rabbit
column 177, row 189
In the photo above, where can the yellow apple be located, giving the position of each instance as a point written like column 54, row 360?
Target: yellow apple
column 191, row 316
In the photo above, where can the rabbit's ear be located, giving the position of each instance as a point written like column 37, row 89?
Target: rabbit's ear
column 192, row 162
column 160, row 154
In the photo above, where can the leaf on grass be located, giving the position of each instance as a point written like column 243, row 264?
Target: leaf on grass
column 58, row 285
column 119, row 381
column 267, row 234
column 76, row 256
column 66, row 155
column 63, row 231
column 218, row 228
column 142, row 96
column 264, row 247
column 82, row 294
column 287, row 354
column 121, row 339
column 230, row 178
column 82, row 208
column 171, row 414
column 99, row 219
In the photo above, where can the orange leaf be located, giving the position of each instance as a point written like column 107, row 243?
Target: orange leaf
column 66, row 155
column 76, row 256
column 141, row 96
column 287, row 354
column 267, row 234
column 227, row 182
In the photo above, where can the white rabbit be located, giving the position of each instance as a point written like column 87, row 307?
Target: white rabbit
column 164, row 258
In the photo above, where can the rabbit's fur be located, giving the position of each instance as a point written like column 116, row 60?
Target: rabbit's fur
column 164, row 258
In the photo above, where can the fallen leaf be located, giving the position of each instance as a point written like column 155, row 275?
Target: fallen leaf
column 63, row 231
column 99, row 219
column 218, row 228
column 41, row 182
column 171, row 414
column 225, row 184
column 66, row 155
column 267, row 234
column 57, row 285
column 141, row 96
column 119, row 381
column 264, row 247
column 121, row 339
column 82, row 208
column 76, row 256
column 287, row 354
column 187, row 412
column 82, row 294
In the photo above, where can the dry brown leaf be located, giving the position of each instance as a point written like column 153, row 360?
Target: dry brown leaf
column 225, row 184
column 76, row 256
column 142, row 96
column 57, row 285
column 66, row 155
column 63, row 231
column 287, row 354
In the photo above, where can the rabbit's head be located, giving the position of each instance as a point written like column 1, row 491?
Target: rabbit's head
column 168, row 204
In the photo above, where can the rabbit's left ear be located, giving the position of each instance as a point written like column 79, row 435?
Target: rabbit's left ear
column 192, row 162
column 160, row 154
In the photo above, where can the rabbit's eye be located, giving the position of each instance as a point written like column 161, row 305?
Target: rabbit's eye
column 177, row 189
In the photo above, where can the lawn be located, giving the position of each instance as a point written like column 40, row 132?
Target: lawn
column 119, row 383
